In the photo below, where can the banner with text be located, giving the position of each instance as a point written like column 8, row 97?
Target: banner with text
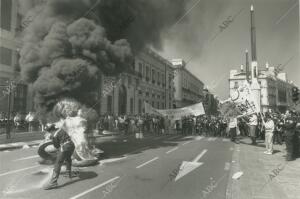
column 178, row 113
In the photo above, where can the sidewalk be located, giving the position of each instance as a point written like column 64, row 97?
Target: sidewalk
column 20, row 139
column 264, row 176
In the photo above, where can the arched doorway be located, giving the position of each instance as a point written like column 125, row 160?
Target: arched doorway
column 122, row 100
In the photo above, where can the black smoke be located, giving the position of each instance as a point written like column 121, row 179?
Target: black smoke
column 69, row 43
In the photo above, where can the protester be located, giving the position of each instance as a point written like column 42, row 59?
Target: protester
column 289, row 127
column 30, row 120
column 253, row 126
column 140, row 124
column 269, row 129
column 232, row 128
column 65, row 146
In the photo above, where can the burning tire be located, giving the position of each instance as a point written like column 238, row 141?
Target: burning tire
column 48, row 153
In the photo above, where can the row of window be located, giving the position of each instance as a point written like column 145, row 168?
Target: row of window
column 154, row 76
column 153, row 95
column 19, row 98
column 158, row 105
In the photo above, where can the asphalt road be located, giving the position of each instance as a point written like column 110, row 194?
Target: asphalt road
column 132, row 170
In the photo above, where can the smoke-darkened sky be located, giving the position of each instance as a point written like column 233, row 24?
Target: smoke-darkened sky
column 277, row 33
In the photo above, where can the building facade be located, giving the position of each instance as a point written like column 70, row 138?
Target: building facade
column 151, row 80
column 275, row 89
column 188, row 88
column 14, row 97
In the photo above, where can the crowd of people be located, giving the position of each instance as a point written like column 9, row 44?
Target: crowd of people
column 273, row 127
column 19, row 122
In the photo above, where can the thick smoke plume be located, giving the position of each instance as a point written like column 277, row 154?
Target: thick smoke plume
column 69, row 43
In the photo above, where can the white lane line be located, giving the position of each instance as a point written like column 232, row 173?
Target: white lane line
column 171, row 150
column 26, row 158
column 187, row 142
column 111, row 160
column 94, row 188
column 137, row 150
column 227, row 166
column 196, row 159
column 212, row 139
column 147, row 162
column 225, row 140
column 198, row 138
column 18, row 170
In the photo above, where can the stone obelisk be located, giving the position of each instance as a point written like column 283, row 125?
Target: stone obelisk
column 255, row 87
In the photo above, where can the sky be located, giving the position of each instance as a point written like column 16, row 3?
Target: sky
column 212, row 53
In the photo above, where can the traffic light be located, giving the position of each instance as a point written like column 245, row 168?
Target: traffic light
column 295, row 94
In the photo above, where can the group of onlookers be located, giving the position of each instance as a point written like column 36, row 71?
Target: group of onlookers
column 134, row 124
column 274, row 128
column 19, row 122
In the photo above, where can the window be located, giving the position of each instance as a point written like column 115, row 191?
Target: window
column 157, row 105
column 109, row 104
column 147, row 73
column 20, row 98
column 162, row 105
column 236, row 84
column 140, row 69
column 17, row 65
column 153, row 76
column 131, row 105
column 6, row 8
column 137, row 82
column 129, row 80
column 153, row 104
column 5, row 56
column 140, row 106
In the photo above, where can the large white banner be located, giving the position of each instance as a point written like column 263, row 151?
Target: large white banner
column 178, row 113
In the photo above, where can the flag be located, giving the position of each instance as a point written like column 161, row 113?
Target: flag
column 241, row 103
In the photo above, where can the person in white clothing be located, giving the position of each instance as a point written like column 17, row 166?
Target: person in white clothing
column 269, row 128
column 232, row 128
column 253, row 126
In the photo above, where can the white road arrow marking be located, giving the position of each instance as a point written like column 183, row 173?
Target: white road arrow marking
column 186, row 167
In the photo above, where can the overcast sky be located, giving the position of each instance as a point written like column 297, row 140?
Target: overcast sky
column 277, row 32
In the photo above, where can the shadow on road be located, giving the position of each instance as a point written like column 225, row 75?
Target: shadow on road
column 83, row 175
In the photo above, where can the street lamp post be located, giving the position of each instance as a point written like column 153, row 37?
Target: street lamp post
column 9, row 89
